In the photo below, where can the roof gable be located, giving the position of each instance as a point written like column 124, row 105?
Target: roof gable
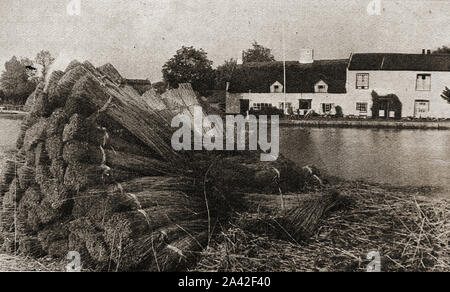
column 276, row 87
column 277, row 83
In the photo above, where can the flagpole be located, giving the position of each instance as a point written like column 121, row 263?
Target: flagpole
column 284, row 65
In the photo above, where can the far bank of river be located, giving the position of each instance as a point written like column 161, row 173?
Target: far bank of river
column 381, row 124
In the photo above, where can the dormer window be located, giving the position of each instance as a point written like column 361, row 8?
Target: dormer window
column 321, row 87
column 277, row 87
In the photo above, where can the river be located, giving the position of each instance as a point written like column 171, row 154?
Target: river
column 394, row 157
column 9, row 131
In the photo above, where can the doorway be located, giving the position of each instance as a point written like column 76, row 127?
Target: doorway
column 244, row 106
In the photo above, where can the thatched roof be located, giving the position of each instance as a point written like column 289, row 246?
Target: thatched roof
column 136, row 81
column 400, row 62
column 215, row 96
column 300, row 78
column 140, row 85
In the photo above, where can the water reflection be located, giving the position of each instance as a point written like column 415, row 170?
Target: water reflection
column 9, row 131
column 396, row 157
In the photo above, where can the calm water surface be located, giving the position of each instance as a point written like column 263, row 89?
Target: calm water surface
column 395, row 157
column 9, row 131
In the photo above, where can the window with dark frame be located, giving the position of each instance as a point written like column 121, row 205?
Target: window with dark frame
column 362, row 81
column 321, row 89
column 423, row 82
column 361, row 107
column 305, row 104
column 327, row 107
column 422, row 106
column 259, row 106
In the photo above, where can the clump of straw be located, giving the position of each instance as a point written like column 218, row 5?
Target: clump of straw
column 410, row 232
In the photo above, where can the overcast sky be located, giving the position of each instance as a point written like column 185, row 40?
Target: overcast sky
column 138, row 36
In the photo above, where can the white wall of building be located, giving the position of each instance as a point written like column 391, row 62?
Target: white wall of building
column 400, row 83
column 403, row 84
column 317, row 99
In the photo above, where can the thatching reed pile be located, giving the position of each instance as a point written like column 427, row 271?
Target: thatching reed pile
column 95, row 173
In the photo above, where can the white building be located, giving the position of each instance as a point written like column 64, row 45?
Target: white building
column 392, row 85
column 417, row 80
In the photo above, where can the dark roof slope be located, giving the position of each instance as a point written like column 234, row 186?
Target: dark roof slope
column 215, row 96
column 400, row 62
column 137, row 81
column 300, row 78
column 140, row 85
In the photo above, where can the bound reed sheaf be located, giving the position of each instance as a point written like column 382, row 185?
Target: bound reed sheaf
column 95, row 173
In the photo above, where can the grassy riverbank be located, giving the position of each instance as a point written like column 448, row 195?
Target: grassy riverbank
column 409, row 227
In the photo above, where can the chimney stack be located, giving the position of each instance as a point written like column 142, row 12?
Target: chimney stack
column 306, row 56
column 428, row 52
column 240, row 60
column 424, row 51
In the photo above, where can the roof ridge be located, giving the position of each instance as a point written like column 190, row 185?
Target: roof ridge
column 400, row 62
column 403, row 54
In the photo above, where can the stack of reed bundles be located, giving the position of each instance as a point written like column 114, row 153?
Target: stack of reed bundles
column 95, row 173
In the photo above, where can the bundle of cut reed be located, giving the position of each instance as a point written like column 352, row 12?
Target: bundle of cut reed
column 7, row 175
column 95, row 172
column 294, row 219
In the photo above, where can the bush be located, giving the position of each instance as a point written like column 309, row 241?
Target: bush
column 339, row 112
column 394, row 104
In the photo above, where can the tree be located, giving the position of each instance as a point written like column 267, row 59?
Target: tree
column 224, row 73
column 2, row 96
column 446, row 94
column 45, row 60
column 444, row 50
column 189, row 65
column 258, row 53
column 16, row 82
